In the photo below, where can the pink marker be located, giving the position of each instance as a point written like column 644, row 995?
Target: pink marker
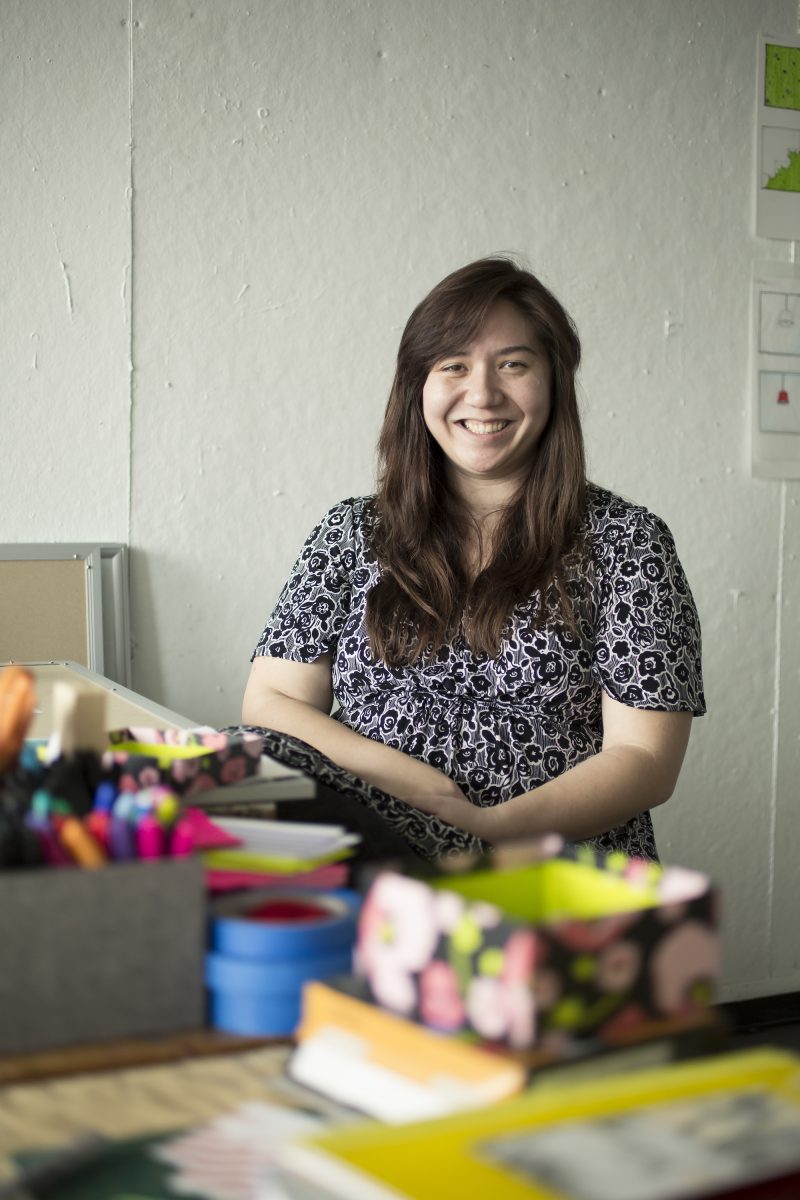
column 182, row 841
column 149, row 837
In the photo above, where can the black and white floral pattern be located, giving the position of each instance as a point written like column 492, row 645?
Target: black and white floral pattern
column 502, row 726
column 427, row 836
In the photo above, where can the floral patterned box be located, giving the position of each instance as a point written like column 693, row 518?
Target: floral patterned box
column 189, row 762
column 546, row 955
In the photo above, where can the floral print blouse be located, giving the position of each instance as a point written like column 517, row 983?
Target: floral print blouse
column 502, row 726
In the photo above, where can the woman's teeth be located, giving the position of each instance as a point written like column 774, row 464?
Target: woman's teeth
column 484, row 426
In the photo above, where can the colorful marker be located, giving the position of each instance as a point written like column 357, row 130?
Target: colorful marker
column 98, row 822
column 182, row 841
column 168, row 809
column 76, row 839
column 105, row 795
column 44, row 806
column 152, row 799
column 150, row 837
column 121, row 829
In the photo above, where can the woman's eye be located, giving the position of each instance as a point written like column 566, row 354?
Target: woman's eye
column 512, row 362
column 453, row 368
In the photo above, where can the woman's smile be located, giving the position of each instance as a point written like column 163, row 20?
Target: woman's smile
column 482, row 428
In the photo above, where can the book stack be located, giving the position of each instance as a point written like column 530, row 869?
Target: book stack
column 258, row 853
column 369, row 1059
column 281, row 915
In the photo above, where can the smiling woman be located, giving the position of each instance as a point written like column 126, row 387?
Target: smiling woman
column 514, row 651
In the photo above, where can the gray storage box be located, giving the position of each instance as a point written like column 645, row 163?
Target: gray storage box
column 92, row 955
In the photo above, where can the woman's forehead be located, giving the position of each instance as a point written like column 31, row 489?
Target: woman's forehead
column 501, row 319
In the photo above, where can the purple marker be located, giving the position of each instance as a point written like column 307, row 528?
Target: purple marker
column 121, row 830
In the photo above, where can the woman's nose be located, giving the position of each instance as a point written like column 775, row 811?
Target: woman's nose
column 483, row 390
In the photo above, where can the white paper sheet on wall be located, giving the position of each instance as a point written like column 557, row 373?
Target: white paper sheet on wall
column 775, row 428
column 778, row 138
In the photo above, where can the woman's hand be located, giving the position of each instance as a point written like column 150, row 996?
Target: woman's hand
column 441, row 797
column 636, row 769
column 295, row 698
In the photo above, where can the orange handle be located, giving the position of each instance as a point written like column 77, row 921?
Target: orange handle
column 17, row 702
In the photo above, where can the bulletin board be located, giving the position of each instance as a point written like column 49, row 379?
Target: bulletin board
column 43, row 611
column 65, row 601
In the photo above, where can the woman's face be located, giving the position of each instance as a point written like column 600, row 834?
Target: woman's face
column 487, row 405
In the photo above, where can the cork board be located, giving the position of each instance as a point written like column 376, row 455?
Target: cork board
column 44, row 610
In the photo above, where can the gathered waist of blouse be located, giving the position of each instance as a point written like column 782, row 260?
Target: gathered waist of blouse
column 408, row 693
column 409, row 698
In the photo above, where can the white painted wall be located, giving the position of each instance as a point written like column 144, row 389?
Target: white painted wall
column 302, row 172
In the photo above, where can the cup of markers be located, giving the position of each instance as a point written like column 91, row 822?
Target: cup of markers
column 120, row 827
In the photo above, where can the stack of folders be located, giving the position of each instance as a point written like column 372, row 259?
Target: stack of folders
column 256, row 853
column 721, row 1127
column 374, row 1061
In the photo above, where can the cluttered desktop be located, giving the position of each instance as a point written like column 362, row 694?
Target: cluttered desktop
column 208, row 994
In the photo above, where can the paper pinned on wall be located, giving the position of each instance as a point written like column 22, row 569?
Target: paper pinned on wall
column 778, row 138
column 775, row 386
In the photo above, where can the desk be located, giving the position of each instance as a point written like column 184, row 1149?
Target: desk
column 124, row 708
column 135, row 1102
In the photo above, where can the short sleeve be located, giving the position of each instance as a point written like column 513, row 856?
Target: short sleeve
column 647, row 647
column 315, row 600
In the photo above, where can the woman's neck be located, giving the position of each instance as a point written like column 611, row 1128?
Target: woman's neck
column 481, row 497
column 484, row 502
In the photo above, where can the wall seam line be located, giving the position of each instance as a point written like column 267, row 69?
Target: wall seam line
column 131, row 381
column 776, row 714
column 131, row 386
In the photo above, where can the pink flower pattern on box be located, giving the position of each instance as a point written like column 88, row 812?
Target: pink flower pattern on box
column 228, row 758
column 440, row 1002
column 464, row 967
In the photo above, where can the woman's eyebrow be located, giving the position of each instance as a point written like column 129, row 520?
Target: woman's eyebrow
column 502, row 350
column 514, row 349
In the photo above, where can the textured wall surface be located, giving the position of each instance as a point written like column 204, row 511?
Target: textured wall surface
column 216, row 218
column 65, row 254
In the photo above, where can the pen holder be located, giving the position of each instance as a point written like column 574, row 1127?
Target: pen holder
column 96, row 955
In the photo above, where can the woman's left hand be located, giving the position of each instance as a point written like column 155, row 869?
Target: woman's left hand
column 449, row 804
column 636, row 769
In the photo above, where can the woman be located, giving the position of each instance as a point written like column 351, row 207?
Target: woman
column 514, row 651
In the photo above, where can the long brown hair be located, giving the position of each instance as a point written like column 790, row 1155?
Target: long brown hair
column 425, row 593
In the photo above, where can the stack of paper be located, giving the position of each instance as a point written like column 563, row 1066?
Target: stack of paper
column 264, row 852
column 396, row 1070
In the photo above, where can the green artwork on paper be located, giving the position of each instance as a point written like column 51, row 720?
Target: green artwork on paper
column 787, row 179
column 782, row 77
